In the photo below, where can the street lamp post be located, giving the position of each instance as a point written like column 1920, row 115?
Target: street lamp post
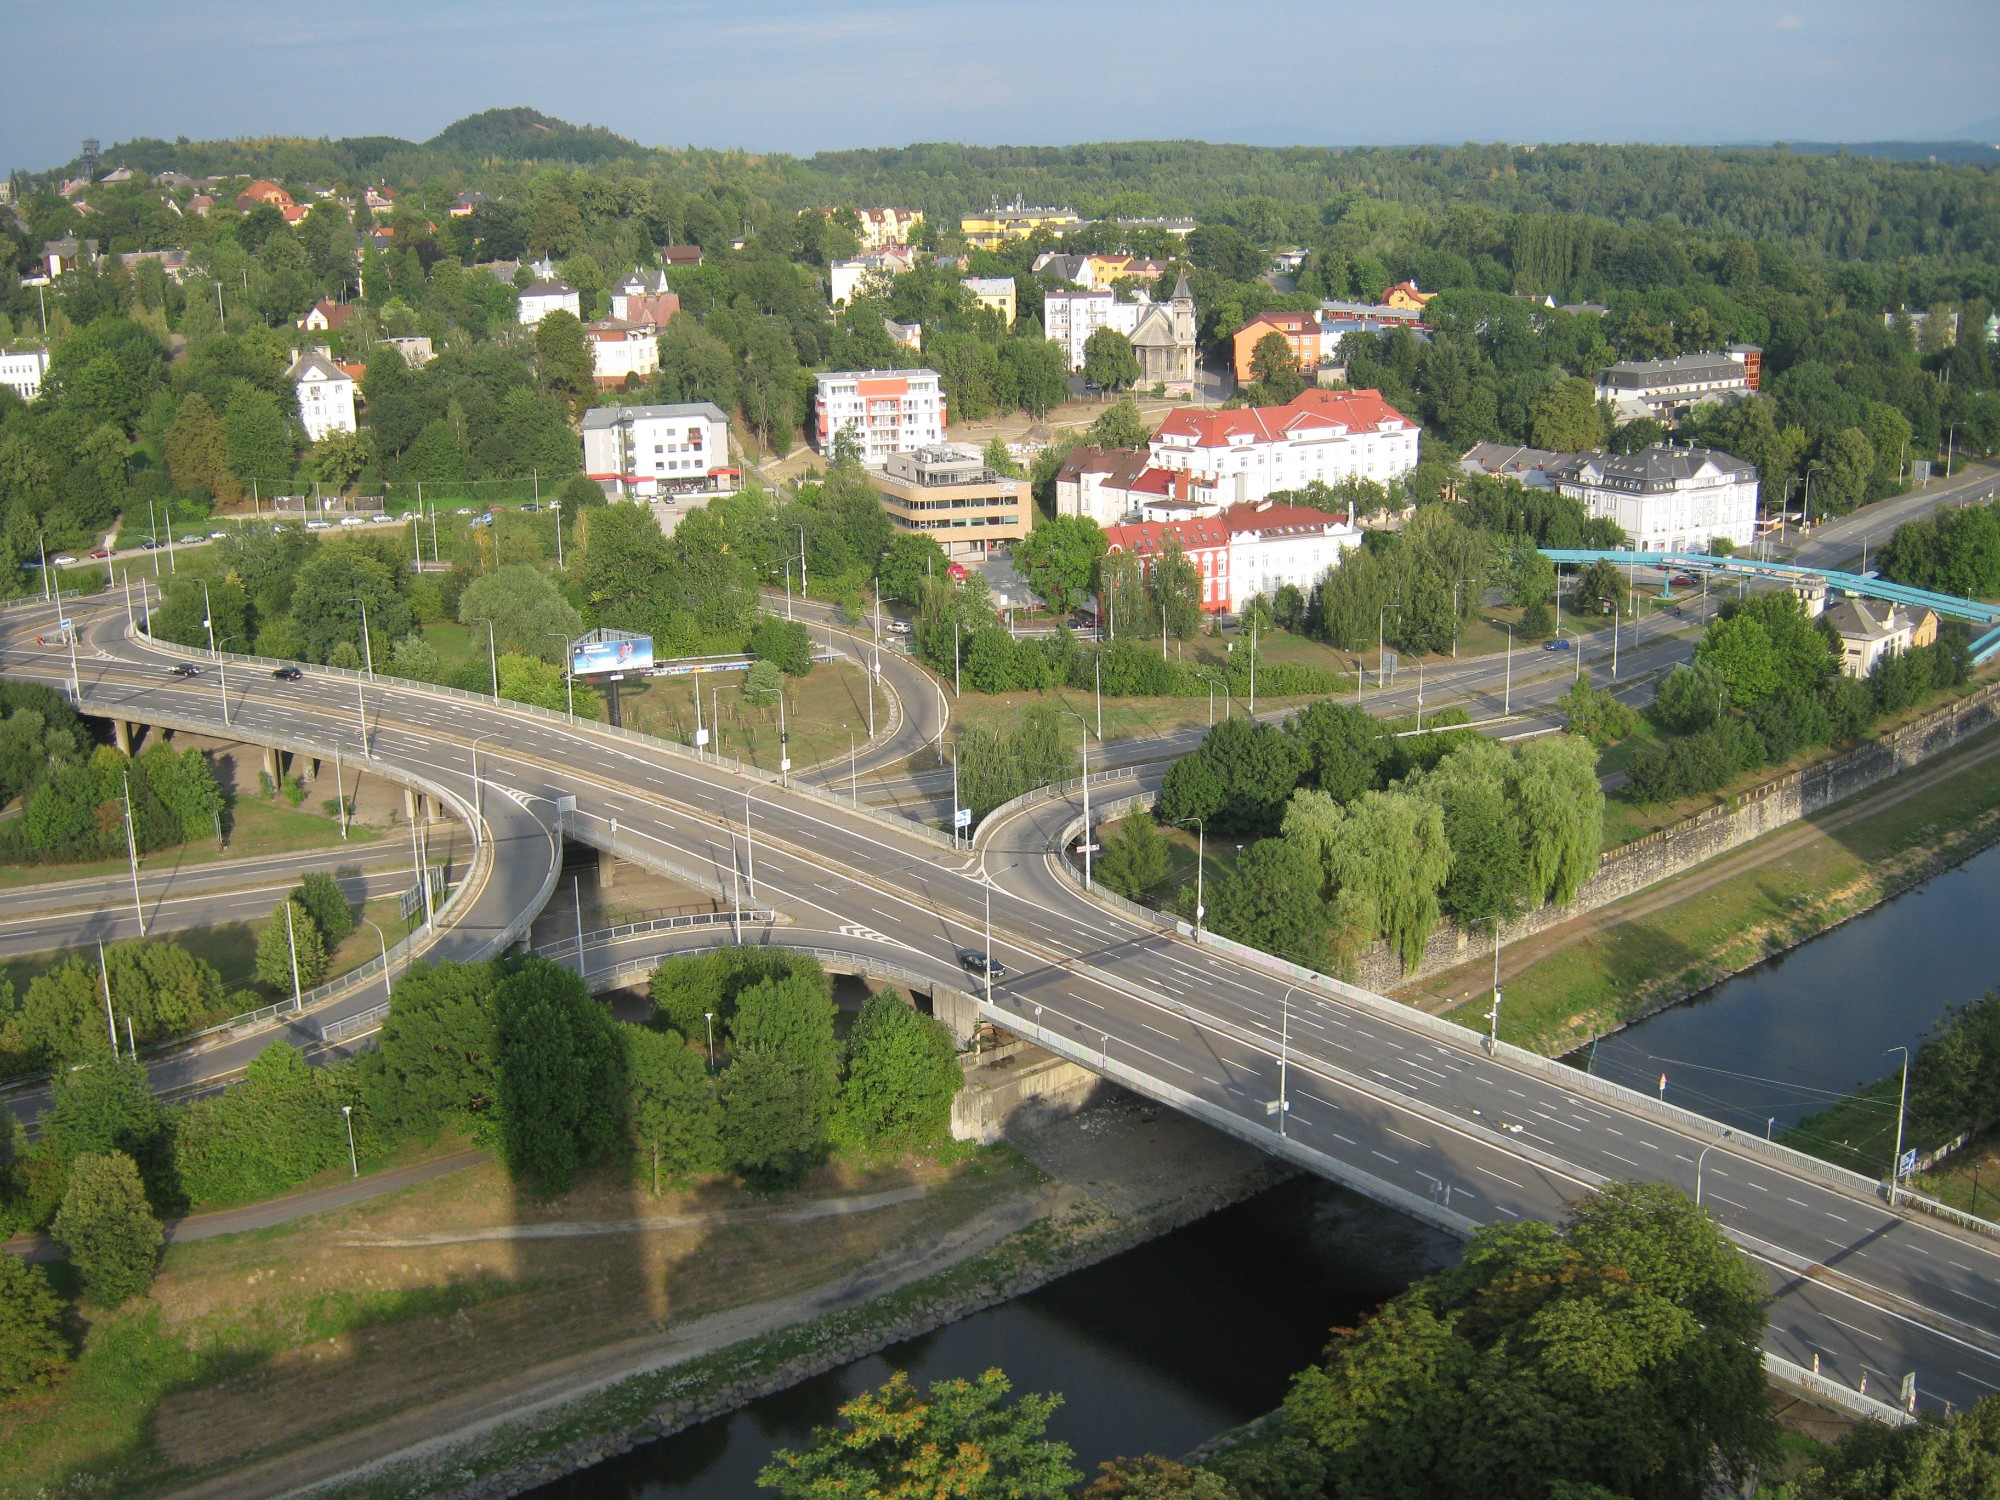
column 478, row 786
column 1200, row 864
column 1493, row 1015
column 208, row 619
column 492, row 653
column 1088, row 845
column 709, row 1017
column 1507, row 697
column 353, row 1162
column 1902, row 1103
column 1699, row 1159
column 569, row 678
column 367, row 646
column 1282, row 1105
column 388, row 993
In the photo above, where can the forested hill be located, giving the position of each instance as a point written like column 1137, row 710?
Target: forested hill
column 1842, row 207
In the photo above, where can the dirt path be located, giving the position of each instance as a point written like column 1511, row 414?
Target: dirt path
column 1467, row 981
column 473, row 1415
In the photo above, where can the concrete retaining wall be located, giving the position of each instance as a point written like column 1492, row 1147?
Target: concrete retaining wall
column 1029, row 1087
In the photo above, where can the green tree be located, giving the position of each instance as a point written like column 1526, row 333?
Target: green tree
column 197, row 450
column 527, row 679
column 774, row 1118
column 1690, row 698
column 1034, row 374
column 1739, row 651
column 784, row 643
column 676, row 1112
column 562, row 361
column 1954, row 1459
column 290, row 954
column 558, row 1075
column 1135, row 858
column 959, row 1438
column 1566, row 418
column 1561, row 806
column 330, row 591
column 1345, row 749
column 1239, row 780
column 261, row 443
column 1059, row 559
column 324, row 901
column 435, row 1058
column 1840, row 477
column 1173, row 592
column 107, row 1229
column 529, row 613
column 1108, row 360
column 1275, row 369
column 33, row 1351
column 902, row 1074
column 1121, row 425
column 1155, row 1478
column 340, row 458
column 1271, row 900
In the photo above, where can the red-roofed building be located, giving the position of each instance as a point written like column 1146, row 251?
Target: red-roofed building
column 1328, row 436
column 1271, row 545
column 1205, row 541
column 327, row 317
column 1299, row 330
column 261, row 191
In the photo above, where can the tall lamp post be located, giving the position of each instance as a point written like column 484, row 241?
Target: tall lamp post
column 1282, row 1105
column 1088, row 846
column 569, row 677
column 1902, row 1103
column 387, row 992
column 367, row 646
column 353, row 1162
column 1200, row 864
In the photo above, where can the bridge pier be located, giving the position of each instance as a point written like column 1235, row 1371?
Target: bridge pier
column 121, row 735
column 607, row 869
column 409, row 804
column 274, row 764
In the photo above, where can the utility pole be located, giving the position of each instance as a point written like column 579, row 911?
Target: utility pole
column 1507, row 694
column 1253, row 664
column 749, row 848
column 292, row 942
column 339, row 792
column 576, row 899
column 1902, row 1104
column 104, row 973
column 1098, row 663
column 132, row 852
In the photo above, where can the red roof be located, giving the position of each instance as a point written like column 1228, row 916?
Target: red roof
column 1283, row 322
column 1148, row 537
column 1265, row 516
column 1357, row 411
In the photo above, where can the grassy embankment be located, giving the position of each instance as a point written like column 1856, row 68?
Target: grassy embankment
column 1833, row 866
column 261, row 1342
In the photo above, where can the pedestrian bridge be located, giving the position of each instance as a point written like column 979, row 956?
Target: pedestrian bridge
column 1858, row 585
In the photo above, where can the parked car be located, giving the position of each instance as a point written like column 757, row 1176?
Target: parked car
column 463, row 510
column 218, row 536
column 899, row 627
column 100, row 552
column 149, row 546
column 190, row 540
column 480, row 521
column 65, row 560
column 1685, row 581
column 353, row 521
column 955, row 570
column 318, row 526
column 288, row 674
column 531, row 506
column 385, row 519
column 184, row 669
column 1558, row 644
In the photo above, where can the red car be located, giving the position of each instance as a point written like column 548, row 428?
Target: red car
column 955, row 570
column 101, row 552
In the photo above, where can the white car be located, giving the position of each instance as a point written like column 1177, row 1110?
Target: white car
column 385, row 519
column 463, row 510
column 218, row 536
column 65, row 561
column 353, row 521
column 318, row 526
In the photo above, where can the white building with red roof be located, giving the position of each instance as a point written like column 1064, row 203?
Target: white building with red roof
column 1271, row 545
column 1205, row 541
column 1245, row 454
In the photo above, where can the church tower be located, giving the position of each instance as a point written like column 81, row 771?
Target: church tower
column 1181, row 304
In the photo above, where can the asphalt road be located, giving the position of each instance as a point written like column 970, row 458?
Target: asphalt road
column 1372, row 1095
column 1835, row 544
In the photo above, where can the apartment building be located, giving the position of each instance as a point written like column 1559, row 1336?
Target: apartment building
column 21, row 371
column 647, row 452
column 888, row 411
column 1246, row 454
column 325, row 393
column 1665, row 498
column 1667, row 389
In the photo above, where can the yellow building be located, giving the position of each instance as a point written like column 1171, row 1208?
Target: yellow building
column 996, row 292
column 949, row 494
column 1002, row 222
column 1404, row 294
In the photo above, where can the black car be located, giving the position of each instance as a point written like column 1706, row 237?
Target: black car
column 149, row 546
column 184, row 669
column 288, row 674
column 980, row 964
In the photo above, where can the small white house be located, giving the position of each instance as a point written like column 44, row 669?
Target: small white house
column 326, row 394
column 21, row 371
column 540, row 298
column 619, row 349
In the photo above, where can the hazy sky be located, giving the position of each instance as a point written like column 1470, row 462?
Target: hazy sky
column 805, row 75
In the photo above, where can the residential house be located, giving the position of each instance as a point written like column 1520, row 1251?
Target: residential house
column 1272, row 545
column 1323, row 436
column 649, row 452
column 465, row 205
column 1002, row 222
column 379, row 200
column 1666, row 498
column 888, row 411
column 946, row 492
column 620, row 349
column 845, row 277
column 1667, row 389
column 416, row 351
column 67, row 254
column 173, row 262
column 643, row 297
column 680, row 255
column 119, row 175
column 995, row 292
column 325, row 316
column 1178, row 226
column 1299, row 330
column 1097, row 482
column 1405, row 297
column 1870, row 630
column 200, row 204
column 1530, row 466
column 1075, row 269
column 1751, row 357
column 909, row 335
column 262, row 191
column 173, row 182
column 21, row 371
column 325, row 392
column 540, row 298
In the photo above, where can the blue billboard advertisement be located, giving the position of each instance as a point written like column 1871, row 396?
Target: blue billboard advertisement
column 596, row 658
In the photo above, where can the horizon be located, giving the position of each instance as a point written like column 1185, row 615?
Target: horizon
column 778, row 77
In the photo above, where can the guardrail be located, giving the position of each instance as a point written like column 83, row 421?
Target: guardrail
column 567, row 947
column 1816, row 1387
column 1520, row 1058
column 578, row 726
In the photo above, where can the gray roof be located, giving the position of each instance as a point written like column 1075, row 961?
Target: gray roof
column 1660, row 466
column 1868, row 620
column 1508, row 459
column 548, row 289
column 1636, row 372
column 313, row 365
column 612, row 416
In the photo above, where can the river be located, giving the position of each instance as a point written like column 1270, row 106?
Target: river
column 1163, row 1347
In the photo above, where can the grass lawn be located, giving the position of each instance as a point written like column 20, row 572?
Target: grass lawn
column 1629, row 967
column 257, row 825
column 1858, row 1133
column 822, row 710
column 252, row 1344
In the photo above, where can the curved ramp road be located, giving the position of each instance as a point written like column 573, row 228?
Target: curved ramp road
column 1416, row 1113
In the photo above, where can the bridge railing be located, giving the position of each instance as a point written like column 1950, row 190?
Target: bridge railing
column 1521, row 1059
column 566, row 947
column 616, row 732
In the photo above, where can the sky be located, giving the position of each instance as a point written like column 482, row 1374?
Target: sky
column 808, row 75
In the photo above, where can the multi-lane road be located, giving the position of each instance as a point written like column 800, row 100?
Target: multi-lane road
column 1376, row 1096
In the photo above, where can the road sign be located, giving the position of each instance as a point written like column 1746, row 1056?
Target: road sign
column 1907, row 1167
column 701, row 737
column 1909, row 1391
column 1088, row 848
column 1390, row 661
column 962, row 818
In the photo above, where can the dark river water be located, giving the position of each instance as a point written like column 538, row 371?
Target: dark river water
column 1167, row 1345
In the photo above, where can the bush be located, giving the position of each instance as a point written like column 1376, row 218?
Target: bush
column 902, row 1073
column 279, row 1127
column 291, row 955
column 783, row 643
column 324, row 901
column 107, row 1229
column 33, row 1351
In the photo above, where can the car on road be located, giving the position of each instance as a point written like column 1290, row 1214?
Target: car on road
column 189, row 540
column 65, row 561
column 531, row 506
column 385, row 519
column 288, row 674
column 1558, row 644
column 319, row 526
column 217, row 536
column 184, row 669
column 1685, row 581
column 149, row 546
column 955, row 570
column 353, row 521
column 100, row 552
column 898, row 627
column 979, row 964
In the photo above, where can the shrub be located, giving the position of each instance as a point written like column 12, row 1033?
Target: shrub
column 107, row 1229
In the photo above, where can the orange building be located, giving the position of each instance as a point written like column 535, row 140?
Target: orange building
column 1301, row 331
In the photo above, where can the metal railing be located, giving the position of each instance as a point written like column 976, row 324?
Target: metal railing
column 1818, row 1388
column 566, row 947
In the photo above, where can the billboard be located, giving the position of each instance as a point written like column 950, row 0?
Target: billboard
column 589, row 658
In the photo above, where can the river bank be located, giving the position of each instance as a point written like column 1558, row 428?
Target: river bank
column 1122, row 1174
